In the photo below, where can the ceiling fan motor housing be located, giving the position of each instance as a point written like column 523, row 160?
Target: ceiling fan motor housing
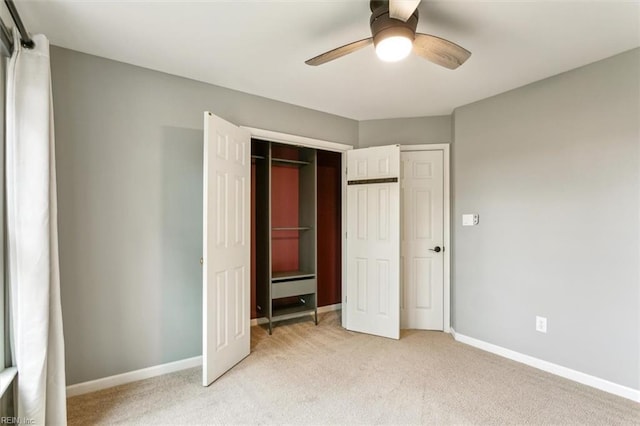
column 395, row 39
column 383, row 26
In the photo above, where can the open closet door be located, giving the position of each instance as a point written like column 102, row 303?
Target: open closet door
column 227, row 247
column 373, row 241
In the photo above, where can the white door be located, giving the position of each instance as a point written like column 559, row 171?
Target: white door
column 422, row 187
column 227, row 261
column 373, row 241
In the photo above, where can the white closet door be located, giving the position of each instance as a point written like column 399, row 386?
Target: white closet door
column 227, row 246
column 373, row 241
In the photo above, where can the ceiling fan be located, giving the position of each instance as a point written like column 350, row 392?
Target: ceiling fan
column 393, row 29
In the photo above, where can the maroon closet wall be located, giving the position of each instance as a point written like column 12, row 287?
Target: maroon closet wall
column 329, row 228
column 284, row 191
column 284, row 199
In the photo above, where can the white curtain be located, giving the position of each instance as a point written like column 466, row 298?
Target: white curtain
column 32, row 234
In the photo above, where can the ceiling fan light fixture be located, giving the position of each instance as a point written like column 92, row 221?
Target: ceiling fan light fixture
column 394, row 48
column 393, row 26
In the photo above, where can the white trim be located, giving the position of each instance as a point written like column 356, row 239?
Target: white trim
column 132, row 376
column 343, row 229
column 272, row 136
column 329, row 308
column 321, row 310
column 549, row 367
column 425, row 147
column 447, row 238
column 6, row 378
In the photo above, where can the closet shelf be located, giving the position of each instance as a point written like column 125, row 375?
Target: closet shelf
column 293, row 309
column 292, row 228
column 290, row 242
column 290, row 275
column 290, row 162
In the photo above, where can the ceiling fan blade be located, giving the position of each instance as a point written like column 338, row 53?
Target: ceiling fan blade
column 402, row 9
column 339, row 52
column 440, row 51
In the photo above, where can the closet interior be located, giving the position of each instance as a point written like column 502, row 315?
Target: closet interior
column 296, row 205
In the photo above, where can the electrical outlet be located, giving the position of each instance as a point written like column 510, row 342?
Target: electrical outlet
column 541, row 324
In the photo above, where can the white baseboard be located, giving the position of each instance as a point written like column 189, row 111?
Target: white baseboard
column 558, row 370
column 329, row 308
column 156, row 370
column 321, row 310
column 132, row 376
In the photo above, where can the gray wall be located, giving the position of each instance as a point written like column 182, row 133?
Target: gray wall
column 129, row 159
column 552, row 169
column 405, row 131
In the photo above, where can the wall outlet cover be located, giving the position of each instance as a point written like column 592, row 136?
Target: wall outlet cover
column 541, row 324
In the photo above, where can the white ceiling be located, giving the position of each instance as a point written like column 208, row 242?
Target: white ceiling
column 260, row 46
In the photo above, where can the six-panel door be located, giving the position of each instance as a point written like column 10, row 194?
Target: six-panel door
column 227, row 245
column 422, row 246
column 373, row 241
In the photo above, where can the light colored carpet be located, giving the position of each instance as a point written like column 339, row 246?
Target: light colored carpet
column 304, row 374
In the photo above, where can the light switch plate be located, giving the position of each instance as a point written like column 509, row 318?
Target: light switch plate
column 470, row 219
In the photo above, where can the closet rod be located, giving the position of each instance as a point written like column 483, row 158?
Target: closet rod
column 25, row 38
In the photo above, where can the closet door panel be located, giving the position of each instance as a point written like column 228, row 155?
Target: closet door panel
column 226, row 247
column 373, row 241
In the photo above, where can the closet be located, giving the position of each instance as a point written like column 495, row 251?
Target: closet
column 288, row 228
column 294, row 198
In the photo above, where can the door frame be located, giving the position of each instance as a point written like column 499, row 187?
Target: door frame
column 290, row 139
column 445, row 148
